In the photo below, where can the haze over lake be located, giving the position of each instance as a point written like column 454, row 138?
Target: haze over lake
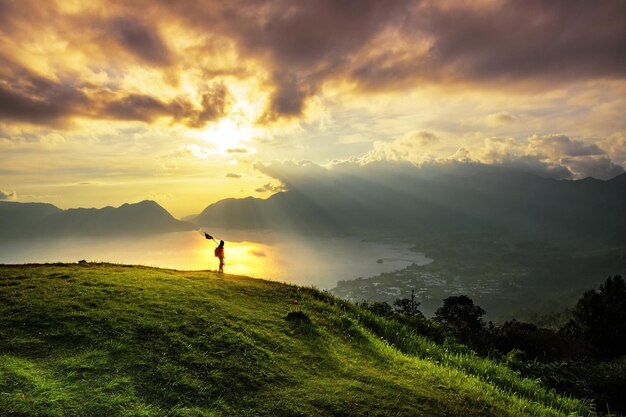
column 283, row 257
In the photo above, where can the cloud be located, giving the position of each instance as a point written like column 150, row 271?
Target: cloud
column 288, row 98
column 531, row 164
column 8, row 195
column 290, row 173
column 500, row 118
column 28, row 97
column 305, row 43
column 135, row 107
column 615, row 146
column 139, row 39
column 554, row 156
column 401, row 44
column 593, row 166
column 197, row 151
column 533, row 39
column 216, row 100
column 233, row 175
column 411, row 147
column 423, row 138
column 300, row 45
column 145, row 108
column 269, row 188
column 560, row 146
column 294, row 49
column 240, row 150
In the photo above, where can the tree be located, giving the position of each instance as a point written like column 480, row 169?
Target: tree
column 381, row 308
column 599, row 318
column 408, row 306
column 534, row 342
column 461, row 317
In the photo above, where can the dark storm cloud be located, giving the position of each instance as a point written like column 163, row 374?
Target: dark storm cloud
column 288, row 98
column 39, row 109
column 5, row 12
column 216, row 101
column 303, row 43
column 372, row 45
column 530, row 39
column 136, row 107
column 214, row 105
column 28, row 97
column 139, row 39
column 299, row 36
column 15, row 12
column 308, row 43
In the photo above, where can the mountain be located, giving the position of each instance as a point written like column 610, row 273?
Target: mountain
column 290, row 210
column 23, row 220
column 18, row 218
column 389, row 200
column 112, row 340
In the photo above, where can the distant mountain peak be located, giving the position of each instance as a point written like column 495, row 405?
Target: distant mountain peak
column 147, row 203
column 143, row 203
column 144, row 217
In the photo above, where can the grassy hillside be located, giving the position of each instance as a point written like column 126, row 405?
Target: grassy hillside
column 112, row 340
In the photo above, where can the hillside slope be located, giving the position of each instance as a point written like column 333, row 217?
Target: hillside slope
column 109, row 340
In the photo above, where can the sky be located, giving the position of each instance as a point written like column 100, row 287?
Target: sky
column 190, row 102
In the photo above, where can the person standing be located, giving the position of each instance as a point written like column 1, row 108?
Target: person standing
column 219, row 253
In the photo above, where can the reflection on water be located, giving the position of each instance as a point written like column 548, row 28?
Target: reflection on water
column 304, row 261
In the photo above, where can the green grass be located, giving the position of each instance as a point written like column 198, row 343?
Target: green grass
column 112, row 340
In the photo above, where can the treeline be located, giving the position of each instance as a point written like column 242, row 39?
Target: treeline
column 586, row 357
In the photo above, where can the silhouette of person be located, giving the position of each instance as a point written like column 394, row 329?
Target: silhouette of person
column 219, row 253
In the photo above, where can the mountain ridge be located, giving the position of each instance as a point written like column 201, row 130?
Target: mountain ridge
column 412, row 201
column 23, row 220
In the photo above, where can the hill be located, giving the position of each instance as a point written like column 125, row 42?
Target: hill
column 114, row 340
column 394, row 199
column 23, row 220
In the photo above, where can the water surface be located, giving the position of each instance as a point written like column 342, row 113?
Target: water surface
column 288, row 258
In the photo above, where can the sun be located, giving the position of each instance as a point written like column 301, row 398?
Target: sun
column 235, row 133
column 228, row 134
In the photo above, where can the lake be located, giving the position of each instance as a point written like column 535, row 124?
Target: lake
column 281, row 257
